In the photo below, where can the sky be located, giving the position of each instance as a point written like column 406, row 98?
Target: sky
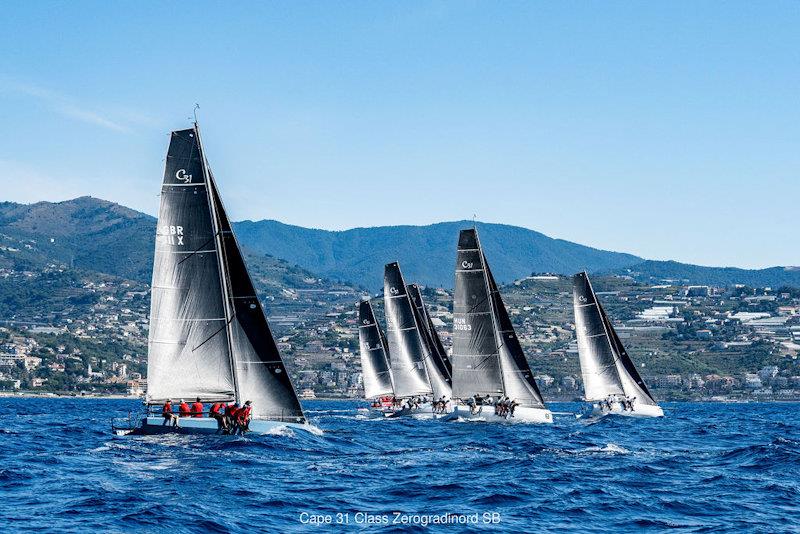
column 670, row 130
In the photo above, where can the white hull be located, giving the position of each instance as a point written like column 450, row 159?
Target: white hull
column 205, row 425
column 639, row 410
column 522, row 414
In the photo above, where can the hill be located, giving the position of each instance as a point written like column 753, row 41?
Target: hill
column 426, row 253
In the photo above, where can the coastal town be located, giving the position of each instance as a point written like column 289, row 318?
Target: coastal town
column 88, row 336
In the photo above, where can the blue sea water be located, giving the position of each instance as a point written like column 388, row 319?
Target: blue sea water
column 704, row 468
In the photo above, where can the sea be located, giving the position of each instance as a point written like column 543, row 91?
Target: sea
column 705, row 467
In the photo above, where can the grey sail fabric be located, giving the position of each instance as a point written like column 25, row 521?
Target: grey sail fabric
column 188, row 350
column 632, row 381
column 405, row 345
column 517, row 375
column 430, row 337
column 597, row 358
column 374, row 354
column 260, row 374
column 475, row 359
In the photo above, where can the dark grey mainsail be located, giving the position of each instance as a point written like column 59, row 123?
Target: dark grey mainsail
column 475, row 359
column 406, row 349
column 260, row 374
column 188, row 346
column 374, row 353
column 598, row 360
column 430, row 337
column 518, row 379
column 209, row 337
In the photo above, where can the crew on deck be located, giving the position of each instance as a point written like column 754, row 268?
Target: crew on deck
column 184, row 409
column 197, row 408
column 166, row 413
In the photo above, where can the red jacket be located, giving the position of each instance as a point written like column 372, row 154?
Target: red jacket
column 243, row 414
column 216, row 408
column 166, row 409
column 230, row 410
column 197, row 409
column 184, row 409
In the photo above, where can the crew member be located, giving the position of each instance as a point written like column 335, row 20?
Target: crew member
column 243, row 417
column 197, row 408
column 230, row 417
column 216, row 413
column 169, row 417
column 184, row 409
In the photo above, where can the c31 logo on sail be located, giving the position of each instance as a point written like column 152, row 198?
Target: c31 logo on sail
column 365, row 321
column 466, row 264
column 393, row 290
column 582, row 299
column 182, row 176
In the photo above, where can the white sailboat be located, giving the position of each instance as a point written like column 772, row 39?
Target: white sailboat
column 419, row 376
column 488, row 362
column 611, row 382
column 209, row 338
column 375, row 368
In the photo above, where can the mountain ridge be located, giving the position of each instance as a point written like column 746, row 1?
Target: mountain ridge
column 107, row 237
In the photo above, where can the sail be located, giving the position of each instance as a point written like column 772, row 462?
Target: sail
column 405, row 344
column 632, row 382
column 597, row 358
column 260, row 373
column 475, row 359
column 374, row 354
column 517, row 375
column 430, row 336
column 188, row 352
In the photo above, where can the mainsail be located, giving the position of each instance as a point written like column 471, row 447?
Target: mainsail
column 374, row 354
column 430, row 337
column 408, row 353
column 188, row 347
column 605, row 365
column 517, row 375
column 476, row 358
column 209, row 337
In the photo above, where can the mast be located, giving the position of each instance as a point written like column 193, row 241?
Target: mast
column 223, row 271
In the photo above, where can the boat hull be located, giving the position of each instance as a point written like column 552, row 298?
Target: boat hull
column 641, row 410
column 522, row 414
column 204, row 425
column 423, row 411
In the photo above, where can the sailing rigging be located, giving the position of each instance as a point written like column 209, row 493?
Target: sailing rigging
column 611, row 381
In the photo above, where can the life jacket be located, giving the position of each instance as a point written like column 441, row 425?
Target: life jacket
column 216, row 408
column 230, row 410
column 197, row 409
column 184, row 409
column 167, row 408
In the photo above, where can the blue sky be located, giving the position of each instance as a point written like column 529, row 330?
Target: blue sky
column 670, row 130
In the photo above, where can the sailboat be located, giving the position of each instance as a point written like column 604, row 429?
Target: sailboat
column 611, row 382
column 418, row 380
column 375, row 368
column 433, row 343
column 488, row 361
column 209, row 338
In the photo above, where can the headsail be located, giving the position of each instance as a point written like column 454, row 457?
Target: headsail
column 430, row 337
column 259, row 370
column 188, row 348
column 476, row 360
column 406, row 348
column 374, row 354
column 517, row 375
column 598, row 360
column 632, row 382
